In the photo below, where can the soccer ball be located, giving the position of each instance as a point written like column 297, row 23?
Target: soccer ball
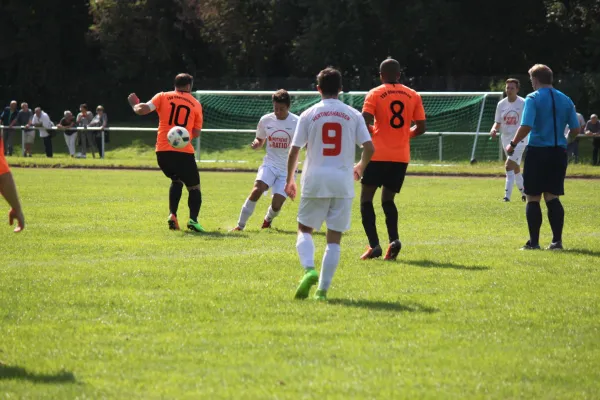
column 178, row 137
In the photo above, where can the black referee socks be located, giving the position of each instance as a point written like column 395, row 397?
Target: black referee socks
column 391, row 219
column 194, row 203
column 533, row 212
column 175, row 196
column 556, row 217
column 367, row 212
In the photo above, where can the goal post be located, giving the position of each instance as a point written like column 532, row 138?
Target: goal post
column 454, row 122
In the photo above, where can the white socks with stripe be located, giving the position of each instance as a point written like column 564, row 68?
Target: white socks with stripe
column 331, row 259
column 510, row 181
column 271, row 214
column 306, row 250
column 247, row 210
column 519, row 182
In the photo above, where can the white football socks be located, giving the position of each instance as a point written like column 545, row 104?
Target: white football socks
column 331, row 259
column 519, row 182
column 306, row 250
column 247, row 210
column 510, row 181
column 271, row 214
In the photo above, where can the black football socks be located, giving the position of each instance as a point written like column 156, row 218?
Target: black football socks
column 367, row 213
column 533, row 212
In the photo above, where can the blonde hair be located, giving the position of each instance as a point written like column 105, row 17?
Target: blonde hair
column 542, row 73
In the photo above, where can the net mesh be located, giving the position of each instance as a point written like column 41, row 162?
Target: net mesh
column 445, row 114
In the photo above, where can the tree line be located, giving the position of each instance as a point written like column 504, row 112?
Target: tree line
column 59, row 53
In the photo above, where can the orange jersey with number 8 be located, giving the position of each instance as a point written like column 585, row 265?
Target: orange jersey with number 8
column 176, row 109
column 394, row 107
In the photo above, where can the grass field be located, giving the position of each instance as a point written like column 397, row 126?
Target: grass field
column 99, row 300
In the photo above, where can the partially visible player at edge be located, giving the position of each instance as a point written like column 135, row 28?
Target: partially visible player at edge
column 277, row 130
column 388, row 110
column 507, row 120
column 177, row 108
column 8, row 190
column 332, row 131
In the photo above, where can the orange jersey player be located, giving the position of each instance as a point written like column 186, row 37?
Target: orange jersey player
column 177, row 108
column 8, row 189
column 390, row 109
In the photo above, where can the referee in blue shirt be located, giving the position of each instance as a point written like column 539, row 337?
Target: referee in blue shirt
column 546, row 114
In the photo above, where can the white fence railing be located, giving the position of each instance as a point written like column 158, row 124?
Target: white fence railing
column 198, row 144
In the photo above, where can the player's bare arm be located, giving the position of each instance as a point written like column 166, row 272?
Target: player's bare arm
column 365, row 158
column 418, row 128
column 257, row 143
column 521, row 134
column 138, row 108
column 369, row 120
column 290, row 183
column 196, row 133
column 8, row 189
column 495, row 129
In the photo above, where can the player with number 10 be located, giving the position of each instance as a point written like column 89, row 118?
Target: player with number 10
column 177, row 108
column 388, row 110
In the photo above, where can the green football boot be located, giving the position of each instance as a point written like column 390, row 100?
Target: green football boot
column 195, row 226
column 321, row 295
column 309, row 279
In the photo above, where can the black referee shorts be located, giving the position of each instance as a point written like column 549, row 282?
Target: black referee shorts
column 545, row 170
column 388, row 174
column 179, row 167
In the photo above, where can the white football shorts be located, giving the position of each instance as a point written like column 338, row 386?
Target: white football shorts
column 335, row 212
column 517, row 156
column 273, row 178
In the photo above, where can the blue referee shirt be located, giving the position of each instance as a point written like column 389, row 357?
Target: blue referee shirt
column 539, row 115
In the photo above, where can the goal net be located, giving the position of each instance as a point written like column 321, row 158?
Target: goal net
column 453, row 123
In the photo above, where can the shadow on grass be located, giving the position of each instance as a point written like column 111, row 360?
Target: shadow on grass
column 212, row 234
column 384, row 305
column 584, row 252
column 13, row 372
column 286, row 232
column 435, row 264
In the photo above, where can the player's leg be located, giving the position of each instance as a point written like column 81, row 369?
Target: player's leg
column 188, row 173
column 338, row 221
column 392, row 184
column 515, row 160
column 167, row 164
column 250, row 204
column 556, row 212
column 534, row 177
column 311, row 214
column 371, row 180
column 279, row 196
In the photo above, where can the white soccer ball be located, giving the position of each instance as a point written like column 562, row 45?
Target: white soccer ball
column 178, row 137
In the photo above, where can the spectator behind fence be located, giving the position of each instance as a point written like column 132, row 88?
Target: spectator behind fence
column 573, row 142
column 24, row 118
column 8, row 118
column 100, row 120
column 592, row 128
column 84, row 137
column 70, row 134
column 41, row 120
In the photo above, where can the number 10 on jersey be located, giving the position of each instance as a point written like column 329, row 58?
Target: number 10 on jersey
column 332, row 139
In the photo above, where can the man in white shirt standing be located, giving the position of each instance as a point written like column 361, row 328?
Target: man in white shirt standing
column 277, row 130
column 507, row 120
column 41, row 120
column 331, row 131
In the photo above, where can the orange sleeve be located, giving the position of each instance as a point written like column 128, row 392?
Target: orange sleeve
column 418, row 110
column 199, row 118
column 369, row 105
column 157, row 101
column 3, row 164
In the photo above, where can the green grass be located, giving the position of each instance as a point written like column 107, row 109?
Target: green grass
column 223, row 151
column 99, row 300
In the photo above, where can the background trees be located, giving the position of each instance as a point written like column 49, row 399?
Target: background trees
column 59, row 53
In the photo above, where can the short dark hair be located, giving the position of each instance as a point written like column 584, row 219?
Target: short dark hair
column 330, row 81
column 515, row 81
column 542, row 73
column 281, row 96
column 182, row 80
column 84, row 106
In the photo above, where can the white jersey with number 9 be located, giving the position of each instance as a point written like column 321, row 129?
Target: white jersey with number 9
column 331, row 130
